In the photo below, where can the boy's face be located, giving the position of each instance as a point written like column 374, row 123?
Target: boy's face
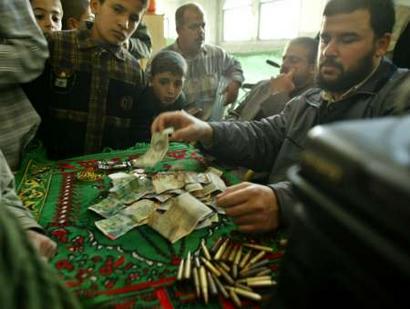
column 167, row 87
column 115, row 20
column 48, row 14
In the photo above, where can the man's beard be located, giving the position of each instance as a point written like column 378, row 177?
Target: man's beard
column 346, row 79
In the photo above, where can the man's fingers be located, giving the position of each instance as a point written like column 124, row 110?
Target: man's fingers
column 232, row 196
column 239, row 210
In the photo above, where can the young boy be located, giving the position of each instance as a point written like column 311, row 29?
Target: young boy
column 78, row 11
column 75, row 12
column 164, row 92
column 48, row 14
column 88, row 94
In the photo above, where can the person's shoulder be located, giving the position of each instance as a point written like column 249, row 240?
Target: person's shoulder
column 209, row 48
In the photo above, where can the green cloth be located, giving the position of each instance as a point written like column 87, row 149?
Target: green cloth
column 138, row 268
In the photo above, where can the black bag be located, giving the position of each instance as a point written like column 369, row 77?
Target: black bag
column 349, row 243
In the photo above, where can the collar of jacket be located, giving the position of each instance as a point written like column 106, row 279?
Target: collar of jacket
column 86, row 42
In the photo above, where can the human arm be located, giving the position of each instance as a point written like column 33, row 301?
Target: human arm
column 232, row 70
column 44, row 245
column 23, row 48
column 140, row 45
column 186, row 127
column 231, row 92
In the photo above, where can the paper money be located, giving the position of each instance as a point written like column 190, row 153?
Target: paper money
column 157, row 150
column 181, row 218
column 168, row 181
column 135, row 215
column 108, row 207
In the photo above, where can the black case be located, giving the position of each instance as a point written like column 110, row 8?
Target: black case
column 349, row 243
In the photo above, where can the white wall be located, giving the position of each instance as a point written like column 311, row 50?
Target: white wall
column 403, row 2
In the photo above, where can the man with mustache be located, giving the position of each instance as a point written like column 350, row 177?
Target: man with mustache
column 356, row 82
column 268, row 97
column 214, row 77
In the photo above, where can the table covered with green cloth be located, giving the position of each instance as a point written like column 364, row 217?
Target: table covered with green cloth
column 136, row 270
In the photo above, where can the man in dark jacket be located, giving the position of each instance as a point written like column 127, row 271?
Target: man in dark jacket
column 355, row 82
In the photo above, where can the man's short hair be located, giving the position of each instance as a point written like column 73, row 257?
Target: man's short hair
column 168, row 61
column 310, row 44
column 382, row 15
column 179, row 13
column 73, row 8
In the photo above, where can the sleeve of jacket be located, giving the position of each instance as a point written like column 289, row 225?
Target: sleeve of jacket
column 232, row 68
column 286, row 200
column 140, row 42
column 23, row 48
column 252, row 144
column 9, row 198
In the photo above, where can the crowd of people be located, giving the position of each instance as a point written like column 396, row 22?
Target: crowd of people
column 70, row 76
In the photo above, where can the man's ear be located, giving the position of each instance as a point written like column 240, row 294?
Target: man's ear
column 94, row 5
column 72, row 23
column 382, row 44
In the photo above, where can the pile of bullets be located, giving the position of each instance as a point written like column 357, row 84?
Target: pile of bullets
column 232, row 269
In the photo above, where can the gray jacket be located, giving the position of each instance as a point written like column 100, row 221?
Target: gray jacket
column 274, row 144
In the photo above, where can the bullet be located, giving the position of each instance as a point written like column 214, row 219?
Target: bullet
column 238, row 255
column 248, row 294
column 258, row 247
column 221, row 249
column 251, row 272
column 226, row 276
column 244, row 287
column 232, row 254
column 224, row 266
column 204, row 283
column 257, row 257
column 250, row 279
column 216, row 245
column 205, row 250
column 196, row 261
column 235, row 271
column 180, row 270
column 259, row 264
column 226, row 253
column 262, row 283
column 196, row 282
column 264, row 272
column 245, row 259
column 221, row 288
column 211, row 267
column 211, row 284
column 235, row 297
column 187, row 268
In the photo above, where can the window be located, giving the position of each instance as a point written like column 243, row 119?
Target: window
column 278, row 19
column 237, row 20
column 245, row 20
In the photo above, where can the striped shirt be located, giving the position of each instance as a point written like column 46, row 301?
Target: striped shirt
column 209, row 73
column 23, row 51
column 87, row 96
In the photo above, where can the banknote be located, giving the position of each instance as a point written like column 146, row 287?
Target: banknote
column 126, row 219
column 181, row 218
column 157, row 150
column 107, row 207
column 168, row 181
